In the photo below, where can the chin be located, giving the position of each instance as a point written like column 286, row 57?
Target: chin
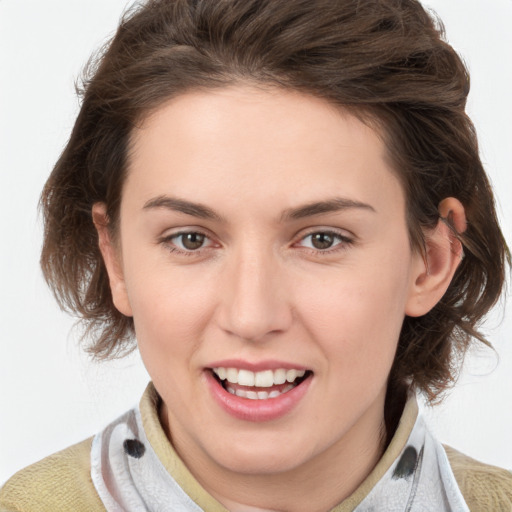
column 260, row 456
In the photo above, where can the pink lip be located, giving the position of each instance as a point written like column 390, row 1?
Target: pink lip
column 255, row 367
column 256, row 410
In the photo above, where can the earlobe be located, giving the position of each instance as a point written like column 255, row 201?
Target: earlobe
column 434, row 270
column 112, row 259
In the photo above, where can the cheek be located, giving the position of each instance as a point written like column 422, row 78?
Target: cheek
column 170, row 312
column 169, row 318
column 357, row 314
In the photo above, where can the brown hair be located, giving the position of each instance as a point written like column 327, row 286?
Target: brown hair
column 385, row 60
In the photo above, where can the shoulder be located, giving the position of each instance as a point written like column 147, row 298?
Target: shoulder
column 484, row 487
column 59, row 482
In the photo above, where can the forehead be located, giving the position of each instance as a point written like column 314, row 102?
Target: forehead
column 249, row 144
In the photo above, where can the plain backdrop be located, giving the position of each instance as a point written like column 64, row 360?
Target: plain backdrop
column 51, row 395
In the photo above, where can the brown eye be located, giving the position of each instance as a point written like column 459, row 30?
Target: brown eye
column 192, row 241
column 322, row 240
column 325, row 241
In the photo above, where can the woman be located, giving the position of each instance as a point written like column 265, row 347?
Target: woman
column 284, row 203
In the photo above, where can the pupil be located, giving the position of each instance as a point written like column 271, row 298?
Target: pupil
column 193, row 241
column 322, row 240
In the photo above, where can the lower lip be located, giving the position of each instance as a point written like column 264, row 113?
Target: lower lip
column 257, row 410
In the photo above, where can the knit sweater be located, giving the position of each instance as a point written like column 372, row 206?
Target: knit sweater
column 62, row 482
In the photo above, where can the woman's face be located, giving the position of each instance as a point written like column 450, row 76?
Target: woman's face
column 263, row 238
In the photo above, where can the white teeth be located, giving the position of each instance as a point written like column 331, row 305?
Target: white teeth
column 280, row 376
column 231, row 375
column 263, row 379
column 257, row 395
column 291, row 375
column 245, row 378
column 221, row 373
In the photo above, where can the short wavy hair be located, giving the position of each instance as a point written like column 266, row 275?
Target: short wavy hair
column 386, row 61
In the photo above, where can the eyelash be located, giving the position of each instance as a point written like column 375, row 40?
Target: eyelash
column 167, row 241
column 343, row 242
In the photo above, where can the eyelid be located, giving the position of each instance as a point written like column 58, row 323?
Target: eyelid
column 345, row 238
column 167, row 238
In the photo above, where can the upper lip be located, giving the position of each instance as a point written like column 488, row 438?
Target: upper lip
column 270, row 364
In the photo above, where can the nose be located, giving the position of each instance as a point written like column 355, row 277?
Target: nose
column 254, row 302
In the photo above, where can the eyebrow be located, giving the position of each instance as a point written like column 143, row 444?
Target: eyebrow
column 180, row 205
column 309, row 210
column 333, row 205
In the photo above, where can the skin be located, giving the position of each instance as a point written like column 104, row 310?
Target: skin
column 258, row 289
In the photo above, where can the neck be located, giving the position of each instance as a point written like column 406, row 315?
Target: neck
column 318, row 485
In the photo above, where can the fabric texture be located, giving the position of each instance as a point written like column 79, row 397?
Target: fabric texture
column 129, row 476
column 484, row 487
column 61, row 482
column 133, row 465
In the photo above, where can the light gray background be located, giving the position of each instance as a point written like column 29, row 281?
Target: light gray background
column 50, row 394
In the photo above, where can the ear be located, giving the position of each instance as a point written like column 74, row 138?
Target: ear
column 434, row 271
column 112, row 258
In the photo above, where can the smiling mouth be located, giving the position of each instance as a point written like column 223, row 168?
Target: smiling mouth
column 262, row 385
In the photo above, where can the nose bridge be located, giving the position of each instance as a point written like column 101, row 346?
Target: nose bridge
column 254, row 300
